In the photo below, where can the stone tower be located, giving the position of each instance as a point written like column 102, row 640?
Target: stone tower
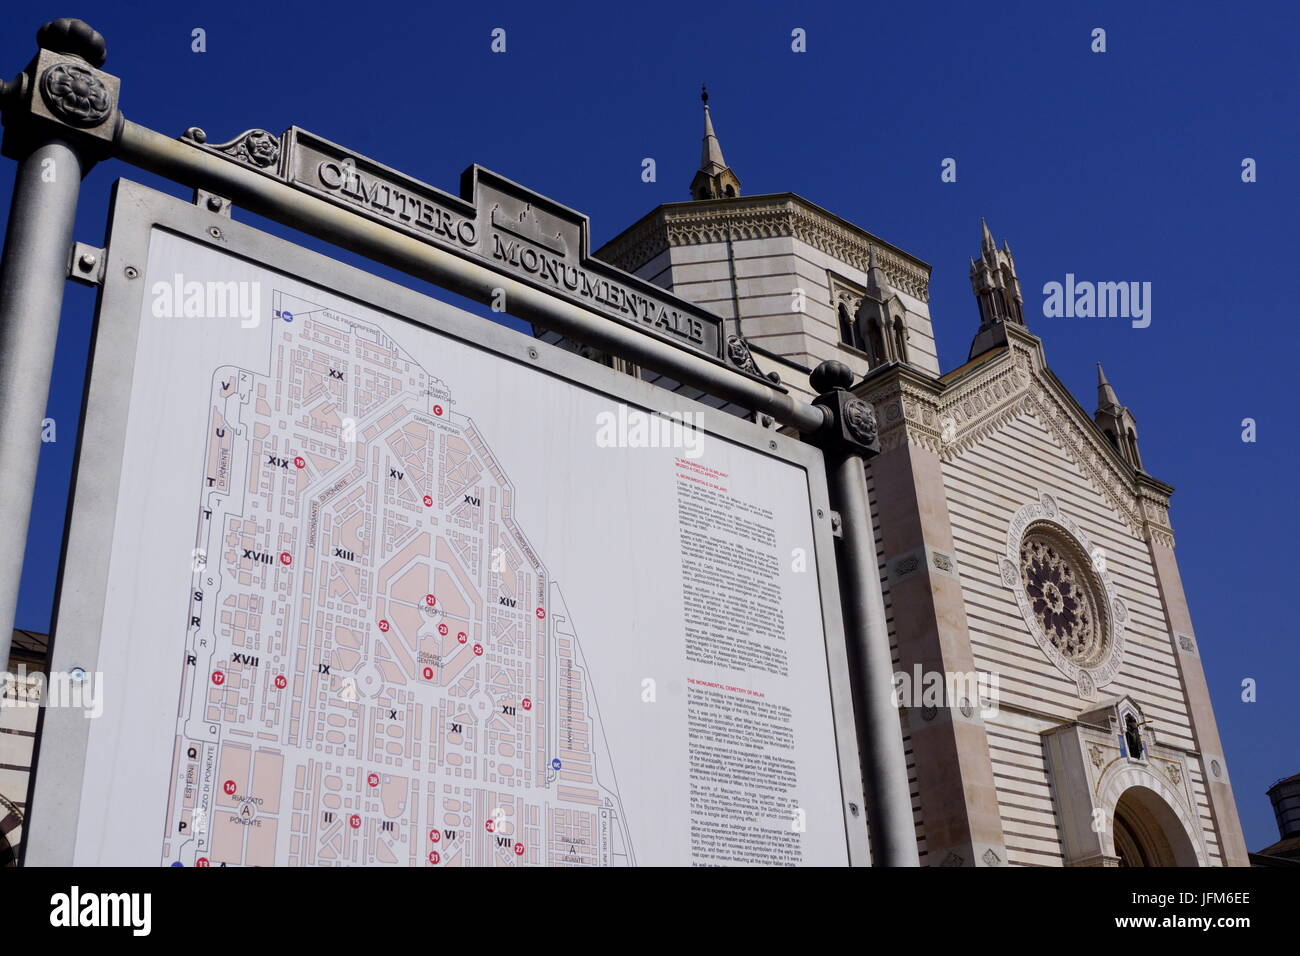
column 800, row 284
column 1020, row 541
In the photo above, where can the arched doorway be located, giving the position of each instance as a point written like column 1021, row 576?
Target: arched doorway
column 1149, row 833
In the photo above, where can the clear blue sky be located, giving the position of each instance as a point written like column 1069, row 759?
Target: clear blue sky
column 1116, row 166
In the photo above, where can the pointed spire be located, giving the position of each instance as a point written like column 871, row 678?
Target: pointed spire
column 986, row 240
column 715, row 179
column 1106, row 397
column 711, row 154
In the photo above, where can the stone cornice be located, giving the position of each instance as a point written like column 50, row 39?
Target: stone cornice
column 763, row 217
column 950, row 418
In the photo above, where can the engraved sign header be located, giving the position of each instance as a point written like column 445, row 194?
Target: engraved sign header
column 511, row 230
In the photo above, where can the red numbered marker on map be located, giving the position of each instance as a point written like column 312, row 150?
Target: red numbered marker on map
column 428, row 501
column 281, row 682
column 383, row 626
column 541, row 613
column 437, row 410
column 442, row 629
column 430, row 600
column 435, row 836
column 354, row 821
column 218, row 678
column 229, row 787
column 202, row 861
column 428, row 673
column 519, row 849
column 478, row 650
column 491, row 826
column 462, row 637
column 286, row 558
column 435, row 857
column 528, row 703
column 373, row 780
column 300, row 462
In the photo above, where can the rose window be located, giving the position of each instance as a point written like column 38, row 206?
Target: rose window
column 1062, row 597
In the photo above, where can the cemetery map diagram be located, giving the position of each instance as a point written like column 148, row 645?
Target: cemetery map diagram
column 378, row 668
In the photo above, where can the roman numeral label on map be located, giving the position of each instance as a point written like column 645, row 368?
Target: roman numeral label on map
column 336, row 373
column 471, row 500
column 243, row 659
column 507, row 602
column 346, row 555
column 275, row 462
column 394, row 473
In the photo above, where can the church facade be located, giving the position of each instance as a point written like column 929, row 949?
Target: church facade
column 1018, row 537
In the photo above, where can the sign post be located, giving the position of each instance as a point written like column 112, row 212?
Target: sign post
column 497, row 242
column 49, row 138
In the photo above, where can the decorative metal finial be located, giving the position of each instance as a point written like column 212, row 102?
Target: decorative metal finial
column 830, row 375
column 74, row 37
column 704, row 94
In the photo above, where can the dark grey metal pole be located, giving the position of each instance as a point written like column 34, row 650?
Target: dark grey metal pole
column 33, row 271
column 60, row 115
column 880, row 738
column 850, row 440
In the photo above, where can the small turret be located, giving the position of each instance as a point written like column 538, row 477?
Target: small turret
column 1116, row 421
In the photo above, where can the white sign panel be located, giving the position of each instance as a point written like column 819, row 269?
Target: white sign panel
column 376, row 596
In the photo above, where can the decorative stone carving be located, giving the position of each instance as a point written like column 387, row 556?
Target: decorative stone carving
column 1068, row 604
column 76, row 95
column 1062, row 598
column 763, row 218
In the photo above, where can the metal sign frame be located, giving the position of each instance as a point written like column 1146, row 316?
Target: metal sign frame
column 137, row 212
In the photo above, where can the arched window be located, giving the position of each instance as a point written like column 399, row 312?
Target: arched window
column 1133, row 448
column 1133, row 737
column 849, row 333
column 900, row 339
column 730, row 191
column 875, row 344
